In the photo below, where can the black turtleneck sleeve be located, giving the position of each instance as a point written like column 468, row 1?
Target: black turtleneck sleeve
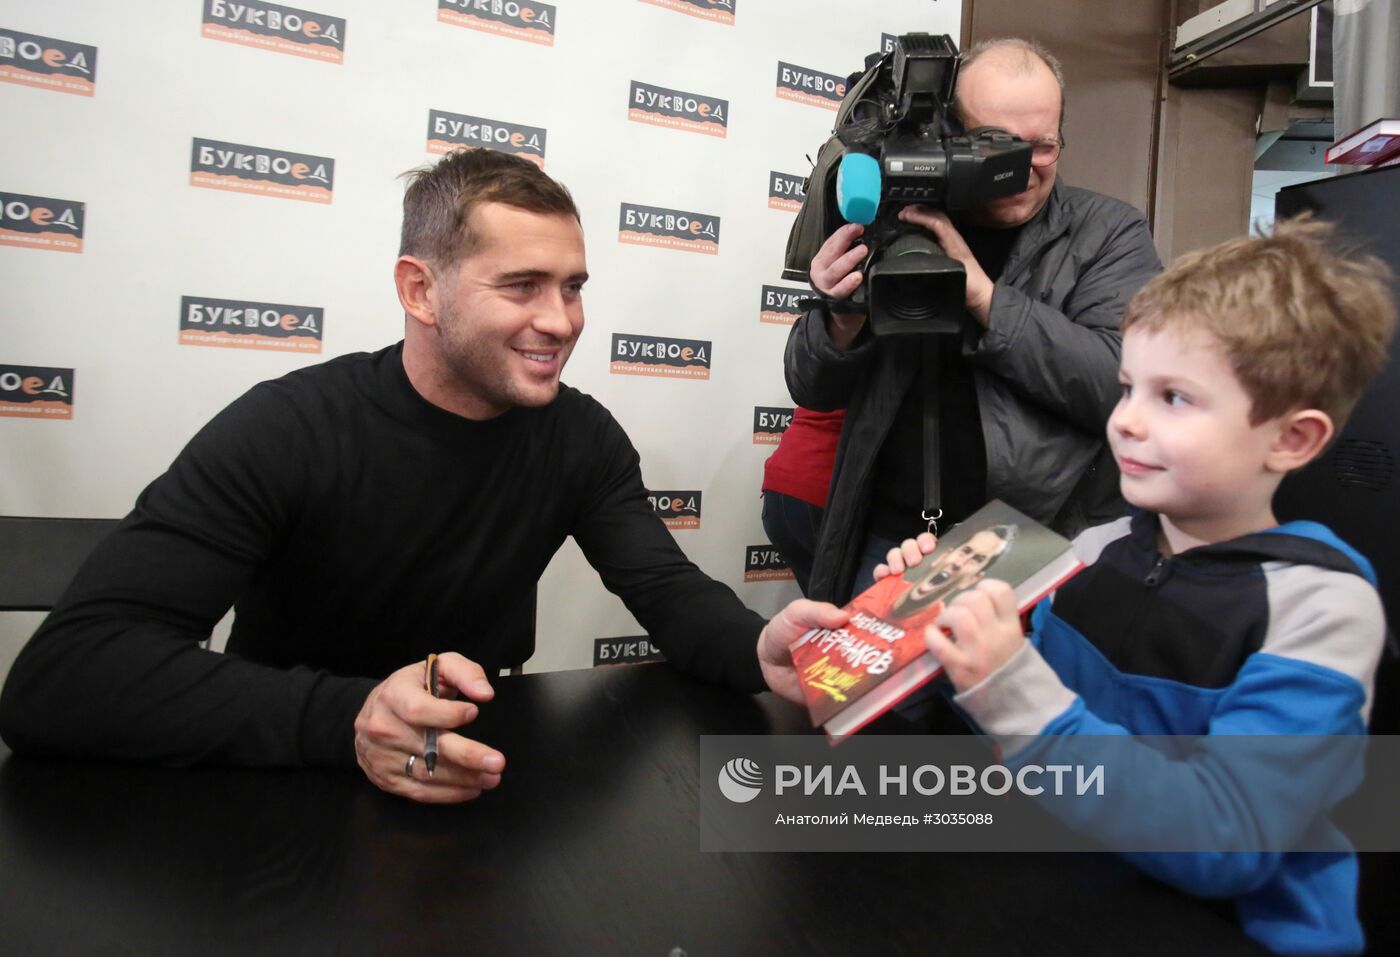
column 354, row 528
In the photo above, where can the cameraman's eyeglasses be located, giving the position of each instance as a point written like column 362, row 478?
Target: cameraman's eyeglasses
column 1045, row 152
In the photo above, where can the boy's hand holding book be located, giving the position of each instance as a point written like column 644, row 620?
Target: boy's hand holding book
column 892, row 641
column 986, row 631
column 908, row 555
column 985, row 623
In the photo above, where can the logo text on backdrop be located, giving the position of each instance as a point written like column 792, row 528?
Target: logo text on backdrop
column 449, row 132
column 62, row 65
column 240, row 324
column 40, row 222
column 261, row 171
column 769, row 423
column 764, row 563
column 779, row 304
column 36, row 392
column 628, row 650
column 676, row 509
column 786, row 191
column 518, row 19
column 804, row 85
column 659, row 106
column 720, row 11
column 271, row 26
column 660, row 356
column 671, row 228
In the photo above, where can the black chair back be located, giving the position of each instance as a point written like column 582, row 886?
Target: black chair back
column 41, row 555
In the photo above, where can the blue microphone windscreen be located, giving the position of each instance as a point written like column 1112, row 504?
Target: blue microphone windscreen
column 858, row 188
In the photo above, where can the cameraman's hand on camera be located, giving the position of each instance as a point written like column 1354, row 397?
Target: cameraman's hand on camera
column 834, row 274
column 979, row 285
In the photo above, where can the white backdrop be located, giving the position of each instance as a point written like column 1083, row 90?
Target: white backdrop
column 121, row 144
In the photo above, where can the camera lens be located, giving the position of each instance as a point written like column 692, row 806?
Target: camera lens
column 915, row 288
column 915, row 298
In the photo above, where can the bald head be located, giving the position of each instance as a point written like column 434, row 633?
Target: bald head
column 1014, row 85
column 1014, row 58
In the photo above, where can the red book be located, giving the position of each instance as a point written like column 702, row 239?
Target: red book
column 1373, row 145
column 854, row 674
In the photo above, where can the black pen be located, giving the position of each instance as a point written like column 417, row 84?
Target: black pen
column 430, row 737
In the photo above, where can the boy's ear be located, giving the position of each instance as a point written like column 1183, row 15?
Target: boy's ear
column 414, row 280
column 1302, row 436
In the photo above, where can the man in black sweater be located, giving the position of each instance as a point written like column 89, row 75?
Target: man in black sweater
column 366, row 512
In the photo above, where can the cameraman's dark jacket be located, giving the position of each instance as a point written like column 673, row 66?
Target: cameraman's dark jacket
column 1046, row 371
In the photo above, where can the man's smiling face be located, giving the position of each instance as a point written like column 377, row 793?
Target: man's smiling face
column 509, row 313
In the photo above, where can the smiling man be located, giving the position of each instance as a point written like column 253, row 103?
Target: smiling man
column 1027, row 389
column 367, row 512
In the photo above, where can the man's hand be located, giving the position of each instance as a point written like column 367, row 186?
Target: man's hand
column 391, row 724
column 908, row 554
column 790, row 624
column 979, row 285
column 986, row 631
column 834, row 274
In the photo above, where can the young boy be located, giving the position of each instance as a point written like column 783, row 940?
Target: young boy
column 1198, row 614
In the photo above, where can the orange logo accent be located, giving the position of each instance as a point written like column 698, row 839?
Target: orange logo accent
column 716, row 11
column 36, row 392
column 234, row 324
column 279, row 29
column 517, row 19
column 43, row 62
column 38, row 222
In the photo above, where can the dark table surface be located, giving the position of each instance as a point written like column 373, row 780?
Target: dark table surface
column 589, row 846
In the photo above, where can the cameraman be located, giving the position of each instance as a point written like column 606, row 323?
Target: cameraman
column 1027, row 391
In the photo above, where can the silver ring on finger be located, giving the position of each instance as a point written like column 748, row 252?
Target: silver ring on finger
column 408, row 765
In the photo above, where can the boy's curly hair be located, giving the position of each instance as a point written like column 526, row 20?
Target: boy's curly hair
column 1305, row 323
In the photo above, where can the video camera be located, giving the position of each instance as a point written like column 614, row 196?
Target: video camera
column 895, row 143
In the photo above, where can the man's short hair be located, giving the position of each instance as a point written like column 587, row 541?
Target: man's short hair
column 440, row 198
column 1007, row 533
column 1305, row 323
column 1027, row 49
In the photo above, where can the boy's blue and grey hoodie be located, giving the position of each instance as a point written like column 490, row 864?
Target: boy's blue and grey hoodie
column 1272, row 633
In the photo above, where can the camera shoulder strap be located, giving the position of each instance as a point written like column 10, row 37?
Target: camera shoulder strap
column 931, row 372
